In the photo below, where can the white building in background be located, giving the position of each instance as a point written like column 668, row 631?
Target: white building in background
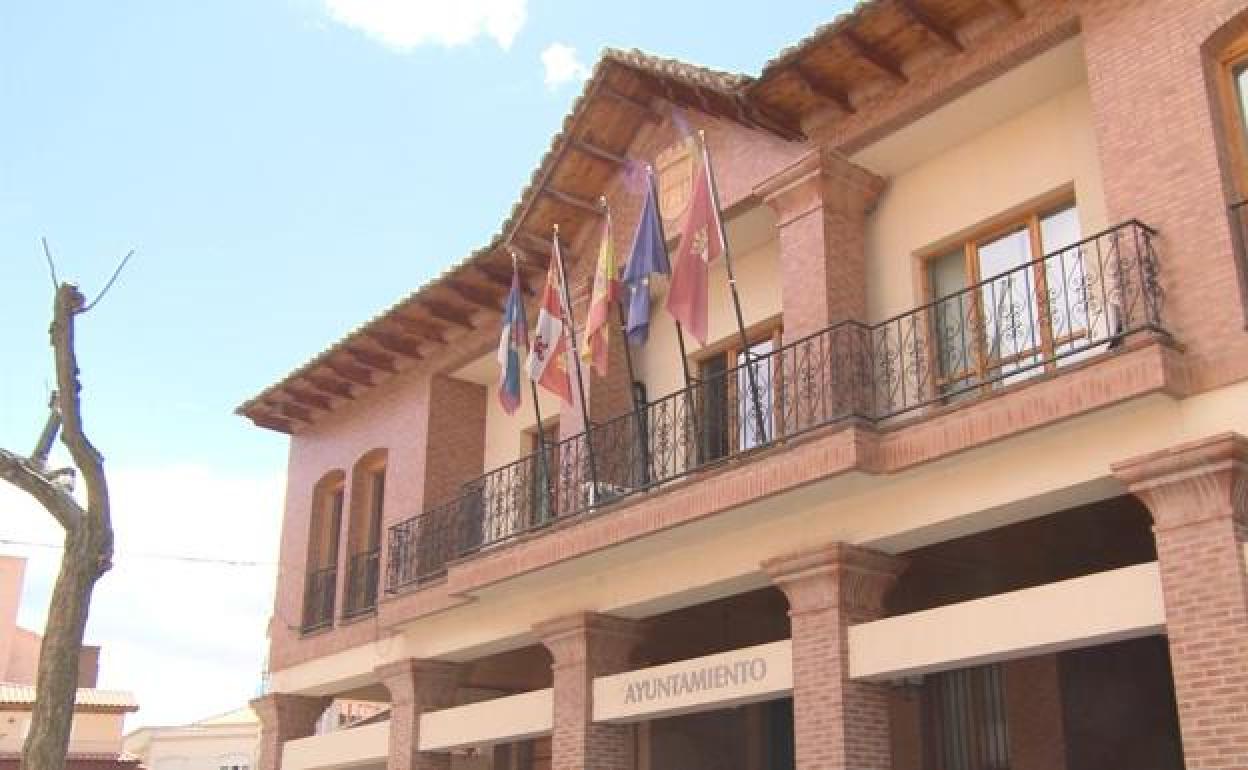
column 222, row 742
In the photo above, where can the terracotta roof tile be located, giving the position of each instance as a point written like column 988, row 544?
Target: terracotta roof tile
column 24, row 694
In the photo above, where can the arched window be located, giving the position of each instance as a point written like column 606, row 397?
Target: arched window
column 328, row 500
column 368, row 495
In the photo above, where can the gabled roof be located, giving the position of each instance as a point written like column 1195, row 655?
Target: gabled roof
column 865, row 49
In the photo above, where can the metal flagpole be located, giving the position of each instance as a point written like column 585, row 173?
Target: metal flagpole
column 628, row 359
column 690, row 407
column 576, row 360
column 541, row 432
column 759, row 423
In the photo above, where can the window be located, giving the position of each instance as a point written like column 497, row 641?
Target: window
column 1233, row 85
column 735, row 397
column 324, row 533
column 1014, row 301
column 964, row 723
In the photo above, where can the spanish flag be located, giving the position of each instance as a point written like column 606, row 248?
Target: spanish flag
column 606, row 293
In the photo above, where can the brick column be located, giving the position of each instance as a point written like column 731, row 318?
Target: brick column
column 416, row 686
column 838, row 724
column 821, row 203
column 584, row 646
column 284, row 718
column 1198, row 496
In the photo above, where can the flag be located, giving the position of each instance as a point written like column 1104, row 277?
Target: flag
column 515, row 334
column 605, row 294
column 648, row 257
column 548, row 358
column 701, row 242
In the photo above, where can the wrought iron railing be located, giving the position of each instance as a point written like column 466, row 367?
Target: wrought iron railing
column 318, row 598
column 1075, row 303
column 362, row 577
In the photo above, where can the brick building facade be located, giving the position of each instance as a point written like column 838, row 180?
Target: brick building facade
column 969, row 494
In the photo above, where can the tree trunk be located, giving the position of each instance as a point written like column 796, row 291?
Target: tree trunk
column 47, row 743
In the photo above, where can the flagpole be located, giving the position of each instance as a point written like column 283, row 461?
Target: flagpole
column 628, row 360
column 680, row 332
column 576, row 360
column 760, row 425
column 541, row 432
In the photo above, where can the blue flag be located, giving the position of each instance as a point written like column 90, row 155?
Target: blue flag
column 515, row 335
column 648, row 257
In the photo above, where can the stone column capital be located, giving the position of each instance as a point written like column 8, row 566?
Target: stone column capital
column 291, row 716
column 604, row 642
column 821, row 179
column 850, row 577
column 1192, row 482
column 418, row 681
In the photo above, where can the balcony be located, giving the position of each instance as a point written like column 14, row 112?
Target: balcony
column 318, row 599
column 1068, row 306
column 363, row 571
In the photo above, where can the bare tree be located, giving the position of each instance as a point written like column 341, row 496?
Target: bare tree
column 88, row 552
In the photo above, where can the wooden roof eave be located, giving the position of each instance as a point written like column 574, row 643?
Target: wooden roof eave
column 454, row 299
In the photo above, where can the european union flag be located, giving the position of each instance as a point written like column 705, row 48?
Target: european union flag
column 648, row 257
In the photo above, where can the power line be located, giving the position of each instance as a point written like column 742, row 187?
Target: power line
column 165, row 556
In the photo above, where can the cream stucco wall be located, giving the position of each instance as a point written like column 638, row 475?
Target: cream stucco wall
column 90, row 733
column 1028, row 154
column 755, row 254
column 1093, row 609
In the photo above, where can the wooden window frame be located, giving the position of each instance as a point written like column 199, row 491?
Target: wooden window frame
column 1235, row 121
column 731, row 348
column 1028, row 217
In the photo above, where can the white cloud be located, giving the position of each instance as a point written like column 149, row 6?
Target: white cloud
column 187, row 638
column 407, row 24
column 562, row 65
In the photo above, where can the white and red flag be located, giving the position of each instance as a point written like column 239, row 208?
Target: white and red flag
column 701, row 242
column 548, row 357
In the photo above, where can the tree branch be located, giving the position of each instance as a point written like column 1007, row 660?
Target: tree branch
column 43, row 447
column 20, row 473
column 68, row 304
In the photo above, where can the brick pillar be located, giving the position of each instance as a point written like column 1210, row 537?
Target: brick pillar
column 1198, row 496
column 584, row 646
column 821, row 204
column 416, row 686
column 838, row 724
column 284, row 718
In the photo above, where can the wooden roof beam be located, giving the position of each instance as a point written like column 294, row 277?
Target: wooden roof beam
column 574, row 201
column 396, row 343
column 489, row 300
column 601, row 153
column 356, row 375
column 872, row 55
column 640, row 105
column 272, row 423
column 307, row 398
column 821, row 87
column 329, row 385
column 444, row 312
column 426, row 330
column 498, row 278
column 1009, row 6
column 293, row 411
column 372, row 359
column 937, row 29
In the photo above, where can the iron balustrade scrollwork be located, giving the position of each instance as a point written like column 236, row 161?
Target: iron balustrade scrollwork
column 1074, row 303
column 363, row 574
column 318, row 598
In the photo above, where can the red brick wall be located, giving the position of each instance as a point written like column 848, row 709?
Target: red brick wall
column 1156, row 128
column 456, row 438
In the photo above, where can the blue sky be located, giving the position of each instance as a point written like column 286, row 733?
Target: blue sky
column 284, row 169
